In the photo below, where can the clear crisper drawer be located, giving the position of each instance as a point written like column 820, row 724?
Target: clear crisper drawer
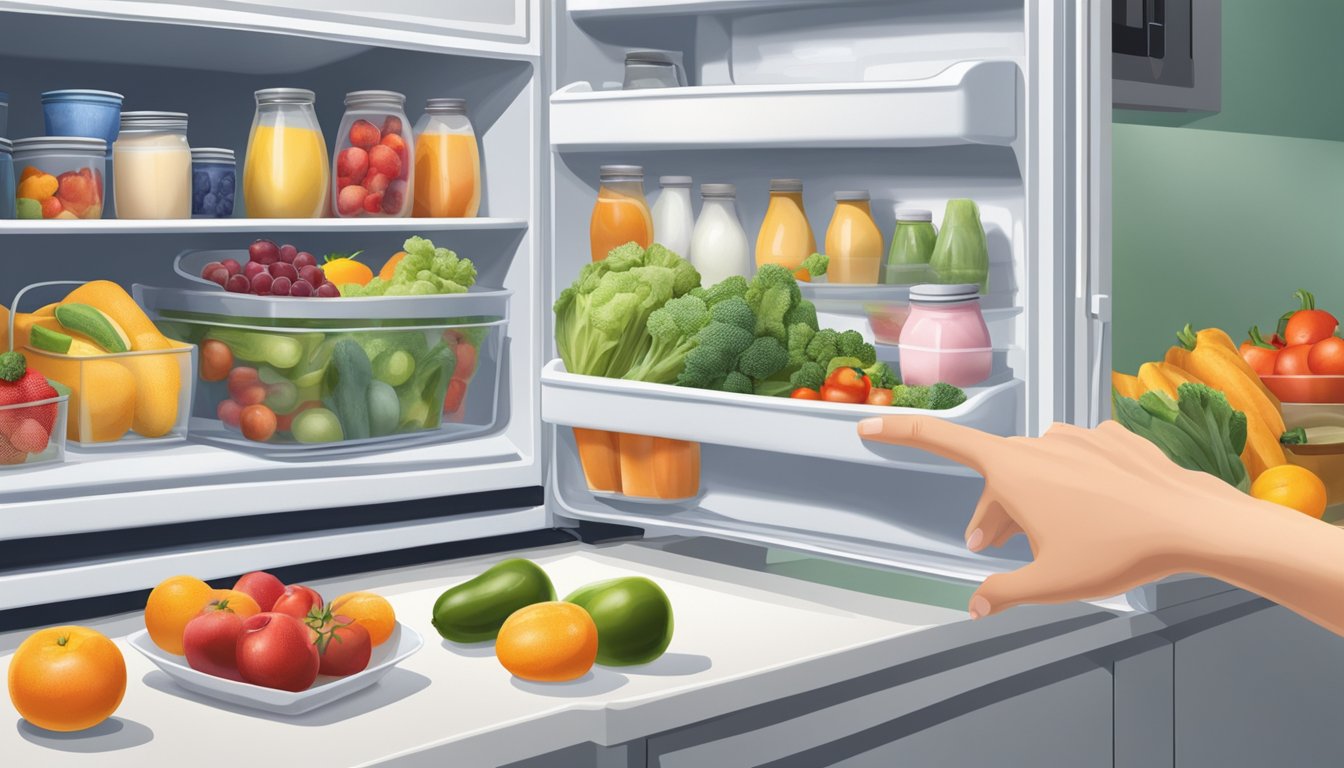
column 287, row 388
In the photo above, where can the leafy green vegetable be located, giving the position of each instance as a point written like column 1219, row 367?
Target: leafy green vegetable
column 1295, row 436
column 422, row 396
column 1199, row 431
column 674, row 329
column 351, row 375
column 424, row 271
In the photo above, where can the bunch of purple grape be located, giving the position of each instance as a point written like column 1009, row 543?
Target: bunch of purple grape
column 272, row 270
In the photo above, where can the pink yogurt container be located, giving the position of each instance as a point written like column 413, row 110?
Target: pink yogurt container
column 945, row 337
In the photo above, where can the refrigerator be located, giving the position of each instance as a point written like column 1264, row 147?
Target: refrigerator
column 1002, row 101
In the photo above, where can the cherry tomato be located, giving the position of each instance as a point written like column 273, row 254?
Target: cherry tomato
column 1309, row 325
column 1327, row 356
column 805, row 393
column 1293, row 361
column 846, row 385
column 1259, row 354
column 216, row 360
column 880, row 396
column 258, row 423
column 457, row 391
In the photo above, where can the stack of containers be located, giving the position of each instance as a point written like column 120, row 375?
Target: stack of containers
column 62, row 176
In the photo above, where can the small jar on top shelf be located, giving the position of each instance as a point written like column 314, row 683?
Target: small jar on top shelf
column 374, row 174
column 213, row 181
column 286, row 173
column 151, row 163
column 447, row 162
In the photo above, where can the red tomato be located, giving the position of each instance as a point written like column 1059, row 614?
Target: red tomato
column 211, row 639
column 881, row 396
column 262, row 587
column 457, row 392
column 275, row 651
column 216, row 360
column 846, row 385
column 258, row 423
column 1308, row 325
column 343, row 646
column 1259, row 354
column 297, row 601
column 1327, row 356
column 805, row 393
column 466, row 361
column 1293, row 361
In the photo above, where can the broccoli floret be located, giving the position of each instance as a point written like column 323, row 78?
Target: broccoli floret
column 800, row 335
column 905, row 396
column 817, row 264
column 771, row 295
column 882, row 376
column 804, row 312
column 825, row 344
column 673, row 330
column 810, row 375
column 12, row 366
column 852, row 345
column 728, row 288
column 763, row 359
column 623, row 257
column 716, row 352
column 733, row 311
column 943, row 396
column 685, row 276
column 738, row 382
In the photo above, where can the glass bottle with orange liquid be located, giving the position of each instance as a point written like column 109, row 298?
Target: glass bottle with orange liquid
column 853, row 240
column 286, row 174
column 621, row 213
column 447, row 162
column 786, row 237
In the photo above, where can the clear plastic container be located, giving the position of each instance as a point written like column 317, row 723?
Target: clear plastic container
column 45, row 445
column 6, row 179
column 911, row 247
column 447, row 162
column 80, row 112
column 115, row 398
column 289, row 373
column 59, row 177
column 214, row 177
column 621, row 214
column 945, row 337
column 373, row 175
column 152, row 162
column 287, row 172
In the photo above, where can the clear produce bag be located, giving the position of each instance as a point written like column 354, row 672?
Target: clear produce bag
column 374, row 166
column 137, row 396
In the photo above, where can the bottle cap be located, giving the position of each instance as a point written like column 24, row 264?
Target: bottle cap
column 622, row 173
column 446, row 106
column 674, row 181
column 933, row 293
column 913, row 214
column 285, row 96
column 786, row 185
column 718, row 190
column 852, row 194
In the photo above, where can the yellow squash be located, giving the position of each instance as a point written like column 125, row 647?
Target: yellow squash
column 1126, row 385
column 1164, row 377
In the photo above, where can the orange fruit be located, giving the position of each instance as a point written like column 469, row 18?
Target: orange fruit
column 171, row 605
column 67, row 678
column 1292, row 486
column 240, row 603
column 370, row 611
column 548, row 642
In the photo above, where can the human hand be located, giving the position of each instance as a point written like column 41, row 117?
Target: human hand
column 1103, row 509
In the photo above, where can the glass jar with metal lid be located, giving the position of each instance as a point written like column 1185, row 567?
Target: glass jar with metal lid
column 6, row 179
column 213, row 178
column 151, row 166
column 286, row 173
column 374, row 173
column 60, row 177
column 447, row 161
column 945, row 337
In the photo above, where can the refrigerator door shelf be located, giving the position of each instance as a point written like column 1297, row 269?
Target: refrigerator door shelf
column 972, row 102
column 180, row 228
column 802, row 427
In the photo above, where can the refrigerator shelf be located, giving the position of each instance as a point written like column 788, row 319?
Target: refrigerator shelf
column 616, row 8
column 250, row 226
column 970, row 102
column 802, row 427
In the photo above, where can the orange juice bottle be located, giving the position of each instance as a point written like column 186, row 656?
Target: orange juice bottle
column 853, row 240
column 621, row 214
column 786, row 237
column 447, row 162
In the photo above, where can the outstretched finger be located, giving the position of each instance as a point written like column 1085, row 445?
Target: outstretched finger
column 988, row 525
column 963, row 445
column 1032, row 583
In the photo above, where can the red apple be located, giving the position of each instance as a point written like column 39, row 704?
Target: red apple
column 275, row 651
column 297, row 601
column 262, row 587
column 211, row 639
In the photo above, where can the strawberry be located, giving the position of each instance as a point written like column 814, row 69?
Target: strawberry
column 30, row 437
column 20, row 384
column 9, row 454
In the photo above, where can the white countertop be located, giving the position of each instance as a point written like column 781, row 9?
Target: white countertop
column 742, row 638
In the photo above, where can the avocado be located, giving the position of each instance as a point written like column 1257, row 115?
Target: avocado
column 95, row 324
column 633, row 618
column 473, row 611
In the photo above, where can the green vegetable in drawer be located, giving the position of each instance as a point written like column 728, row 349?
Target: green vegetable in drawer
column 422, row 396
column 275, row 349
column 384, row 409
column 349, row 377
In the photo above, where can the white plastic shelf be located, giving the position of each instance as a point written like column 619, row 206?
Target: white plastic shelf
column 800, row 427
column 972, row 102
column 211, row 226
column 600, row 8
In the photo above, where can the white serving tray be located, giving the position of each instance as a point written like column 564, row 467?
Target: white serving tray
column 397, row 648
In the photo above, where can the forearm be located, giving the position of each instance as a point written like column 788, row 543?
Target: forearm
column 1277, row 553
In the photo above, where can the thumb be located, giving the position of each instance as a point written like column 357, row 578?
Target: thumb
column 1031, row 583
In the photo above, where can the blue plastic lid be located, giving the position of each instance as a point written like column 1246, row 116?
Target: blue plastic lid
column 77, row 94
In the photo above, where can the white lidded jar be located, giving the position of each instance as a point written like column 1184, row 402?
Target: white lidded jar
column 152, row 166
column 673, row 215
column 718, row 245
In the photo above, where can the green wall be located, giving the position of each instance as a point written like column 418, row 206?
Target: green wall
column 1218, row 218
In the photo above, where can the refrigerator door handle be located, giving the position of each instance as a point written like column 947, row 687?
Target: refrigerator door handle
column 1101, row 325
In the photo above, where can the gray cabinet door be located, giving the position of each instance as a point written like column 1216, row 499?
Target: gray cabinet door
column 1261, row 689
column 1056, row 715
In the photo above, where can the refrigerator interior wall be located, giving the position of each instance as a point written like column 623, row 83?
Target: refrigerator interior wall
column 168, row 67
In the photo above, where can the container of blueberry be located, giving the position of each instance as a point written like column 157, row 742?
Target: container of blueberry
column 213, row 173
